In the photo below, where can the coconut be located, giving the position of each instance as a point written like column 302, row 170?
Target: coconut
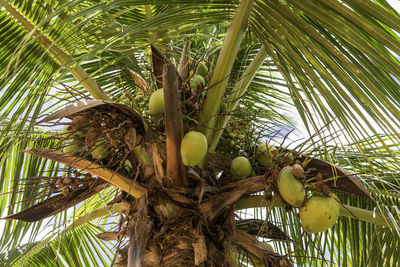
column 100, row 151
column 202, row 69
column 223, row 108
column 71, row 146
column 241, row 167
column 67, row 132
column 264, row 154
column 197, row 80
column 193, row 148
column 319, row 213
column 156, row 102
column 290, row 188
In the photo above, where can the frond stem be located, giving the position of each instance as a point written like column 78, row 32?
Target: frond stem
column 223, row 68
column 238, row 91
column 375, row 217
column 62, row 57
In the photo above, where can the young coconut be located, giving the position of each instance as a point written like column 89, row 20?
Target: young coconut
column 222, row 108
column 193, row 148
column 320, row 213
column 66, row 132
column 241, row 167
column 290, row 188
column 100, row 151
column 196, row 80
column 156, row 102
column 265, row 153
column 202, row 69
column 71, row 146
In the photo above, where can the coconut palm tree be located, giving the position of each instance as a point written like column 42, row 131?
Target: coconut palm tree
column 91, row 177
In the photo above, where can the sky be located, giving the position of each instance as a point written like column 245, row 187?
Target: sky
column 395, row 4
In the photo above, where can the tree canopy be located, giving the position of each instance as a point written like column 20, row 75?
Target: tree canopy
column 334, row 65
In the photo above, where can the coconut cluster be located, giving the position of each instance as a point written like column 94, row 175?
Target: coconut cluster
column 319, row 212
column 103, row 134
column 66, row 184
column 194, row 91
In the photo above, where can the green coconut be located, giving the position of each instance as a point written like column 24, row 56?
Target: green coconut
column 241, row 167
column 265, row 154
column 319, row 213
column 156, row 102
column 290, row 188
column 69, row 133
column 193, row 148
column 202, row 69
column 71, row 146
column 222, row 108
column 197, row 80
column 100, row 151
column 66, row 133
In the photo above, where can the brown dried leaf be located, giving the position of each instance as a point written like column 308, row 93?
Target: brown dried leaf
column 140, row 82
column 346, row 181
column 148, row 171
column 109, row 236
column 213, row 206
column 157, row 162
column 57, row 203
column 199, row 191
column 159, row 60
column 139, row 234
column 183, row 63
column 173, row 127
column 256, row 248
column 152, row 255
column 262, row 228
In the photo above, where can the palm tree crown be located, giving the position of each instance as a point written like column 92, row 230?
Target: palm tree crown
column 331, row 64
